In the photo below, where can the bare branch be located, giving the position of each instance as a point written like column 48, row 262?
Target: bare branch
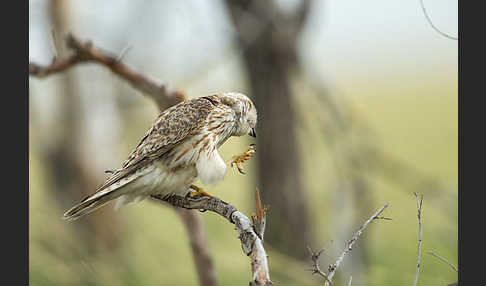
column 444, row 260
column 333, row 267
column 432, row 24
column 251, row 243
column 419, row 247
column 315, row 264
column 85, row 52
column 123, row 53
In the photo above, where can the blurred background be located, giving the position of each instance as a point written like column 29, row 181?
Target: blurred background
column 357, row 106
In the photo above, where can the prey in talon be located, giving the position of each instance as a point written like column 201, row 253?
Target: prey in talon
column 243, row 157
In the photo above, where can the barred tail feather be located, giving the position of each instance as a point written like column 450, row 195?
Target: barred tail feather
column 105, row 195
column 91, row 204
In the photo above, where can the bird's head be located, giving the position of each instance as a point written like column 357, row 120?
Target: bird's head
column 245, row 111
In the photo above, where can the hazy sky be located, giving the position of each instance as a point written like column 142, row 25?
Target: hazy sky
column 190, row 41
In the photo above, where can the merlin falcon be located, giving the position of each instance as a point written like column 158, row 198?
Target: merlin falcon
column 181, row 146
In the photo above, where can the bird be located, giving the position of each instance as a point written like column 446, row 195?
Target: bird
column 181, row 146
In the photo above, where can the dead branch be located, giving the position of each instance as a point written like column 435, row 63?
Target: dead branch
column 86, row 52
column 316, row 269
column 251, row 243
column 444, row 260
column 334, row 267
column 259, row 219
column 419, row 247
column 432, row 24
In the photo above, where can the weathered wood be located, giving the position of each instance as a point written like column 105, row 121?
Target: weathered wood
column 251, row 243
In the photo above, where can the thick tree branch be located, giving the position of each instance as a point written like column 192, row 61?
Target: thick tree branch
column 85, row 52
column 251, row 243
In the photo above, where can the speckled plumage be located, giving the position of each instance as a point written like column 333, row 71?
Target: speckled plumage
column 180, row 146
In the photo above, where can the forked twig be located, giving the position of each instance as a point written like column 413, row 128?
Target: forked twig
column 315, row 264
column 334, row 267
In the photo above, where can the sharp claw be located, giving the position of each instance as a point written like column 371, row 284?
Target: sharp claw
column 198, row 192
column 240, row 169
column 238, row 160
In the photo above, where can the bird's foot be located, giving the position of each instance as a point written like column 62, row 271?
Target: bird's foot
column 198, row 191
column 243, row 157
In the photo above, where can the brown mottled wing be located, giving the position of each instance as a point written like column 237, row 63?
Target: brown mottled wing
column 170, row 128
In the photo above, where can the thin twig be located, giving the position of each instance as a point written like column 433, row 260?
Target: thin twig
column 419, row 247
column 444, row 260
column 259, row 217
column 315, row 264
column 383, row 217
column 123, row 53
column 53, row 45
column 432, row 24
column 334, row 267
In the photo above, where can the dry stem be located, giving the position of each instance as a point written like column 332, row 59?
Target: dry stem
column 334, row 267
column 444, row 260
column 315, row 264
column 419, row 247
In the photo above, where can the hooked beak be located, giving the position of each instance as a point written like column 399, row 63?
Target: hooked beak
column 252, row 133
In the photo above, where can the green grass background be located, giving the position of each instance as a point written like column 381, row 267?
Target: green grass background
column 417, row 124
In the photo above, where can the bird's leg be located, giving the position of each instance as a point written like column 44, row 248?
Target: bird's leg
column 198, row 191
column 243, row 157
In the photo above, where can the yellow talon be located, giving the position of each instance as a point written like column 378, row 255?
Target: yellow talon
column 243, row 157
column 198, row 191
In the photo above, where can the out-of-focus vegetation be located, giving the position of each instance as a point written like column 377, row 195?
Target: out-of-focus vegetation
column 390, row 86
column 420, row 129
